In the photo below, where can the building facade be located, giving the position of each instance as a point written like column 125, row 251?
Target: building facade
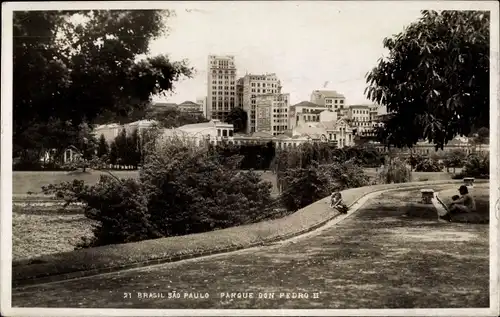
column 272, row 113
column 251, row 86
column 338, row 131
column 202, row 102
column 190, row 107
column 297, row 112
column 360, row 118
column 330, row 99
column 212, row 132
column 221, row 87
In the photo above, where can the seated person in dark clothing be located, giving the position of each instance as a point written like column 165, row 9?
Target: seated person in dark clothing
column 337, row 203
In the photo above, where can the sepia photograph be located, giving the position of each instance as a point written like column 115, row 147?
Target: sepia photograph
column 250, row 158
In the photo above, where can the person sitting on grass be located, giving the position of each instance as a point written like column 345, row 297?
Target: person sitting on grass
column 461, row 204
column 337, row 203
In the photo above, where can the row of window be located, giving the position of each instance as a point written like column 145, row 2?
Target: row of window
column 268, row 91
column 220, row 92
column 336, row 101
column 263, row 78
column 221, row 77
column 263, row 85
column 223, row 88
column 360, row 111
column 280, row 110
column 227, row 82
column 220, row 71
column 214, row 98
column 227, row 104
column 224, row 132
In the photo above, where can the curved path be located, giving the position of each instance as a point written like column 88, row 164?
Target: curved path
column 388, row 254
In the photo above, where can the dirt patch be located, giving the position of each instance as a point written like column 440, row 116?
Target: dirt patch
column 37, row 232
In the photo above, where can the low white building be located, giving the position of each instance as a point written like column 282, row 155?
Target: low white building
column 111, row 131
column 213, row 132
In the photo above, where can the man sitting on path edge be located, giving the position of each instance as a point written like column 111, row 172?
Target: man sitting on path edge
column 463, row 204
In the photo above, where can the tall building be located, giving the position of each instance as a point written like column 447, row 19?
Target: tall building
column 221, row 84
column 329, row 99
column 272, row 113
column 202, row 101
column 253, row 86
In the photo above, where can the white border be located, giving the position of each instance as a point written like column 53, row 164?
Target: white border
column 6, row 170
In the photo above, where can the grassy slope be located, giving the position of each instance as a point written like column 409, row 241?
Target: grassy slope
column 378, row 258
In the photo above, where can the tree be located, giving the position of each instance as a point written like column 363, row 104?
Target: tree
column 435, row 81
column 102, row 147
column 173, row 118
column 482, row 136
column 454, row 159
column 238, row 117
column 122, row 149
column 133, row 148
column 90, row 60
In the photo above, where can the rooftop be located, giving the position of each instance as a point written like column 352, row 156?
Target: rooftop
column 308, row 104
column 189, row 103
column 329, row 93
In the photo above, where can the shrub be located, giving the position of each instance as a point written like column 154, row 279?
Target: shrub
column 194, row 189
column 303, row 186
column 118, row 206
column 476, row 165
column 454, row 159
column 182, row 189
column 429, row 165
column 394, row 171
column 345, row 175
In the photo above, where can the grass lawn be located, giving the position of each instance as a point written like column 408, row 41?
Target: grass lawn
column 38, row 231
column 377, row 258
column 24, row 182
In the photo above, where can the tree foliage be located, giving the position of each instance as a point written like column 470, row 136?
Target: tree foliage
column 182, row 189
column 238, row 117
column 435, row 81
column 173, row 118
column 75, row 65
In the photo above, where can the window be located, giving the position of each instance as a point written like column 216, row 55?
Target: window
column 342, row 101
column 336, row 100
column 218, row 132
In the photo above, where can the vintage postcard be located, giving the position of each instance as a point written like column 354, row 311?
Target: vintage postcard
column 250, row 158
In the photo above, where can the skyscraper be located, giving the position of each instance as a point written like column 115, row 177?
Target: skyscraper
column 253, row 86
column 221, row 86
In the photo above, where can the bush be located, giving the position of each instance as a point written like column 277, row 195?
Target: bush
column 182, row 189
column 118, row 206
column 394, row 171
column 476, row 165
column 454, row 159
column 194, row 189
column 304, row 186
column 345, row 175
column 429, row 165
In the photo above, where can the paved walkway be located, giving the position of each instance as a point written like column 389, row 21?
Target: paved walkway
column 389, row 254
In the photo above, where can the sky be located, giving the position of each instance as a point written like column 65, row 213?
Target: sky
column 318, row 45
